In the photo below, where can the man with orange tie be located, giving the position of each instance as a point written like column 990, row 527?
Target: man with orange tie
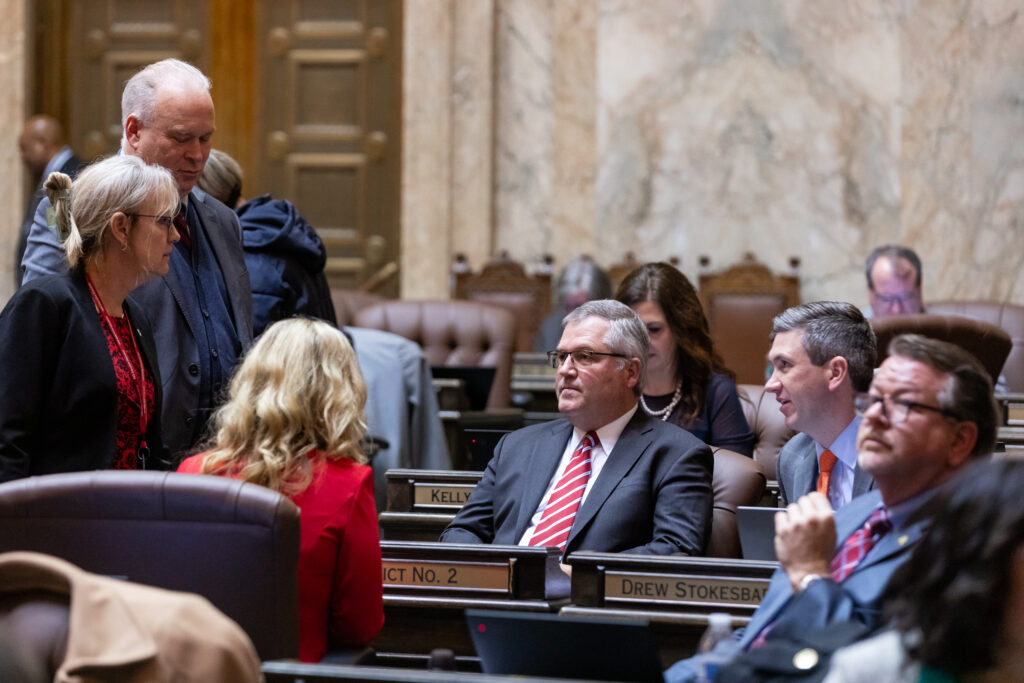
column 606, row 477
column 822, row 354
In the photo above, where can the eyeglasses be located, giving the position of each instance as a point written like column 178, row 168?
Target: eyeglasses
column 895, row 409
column 165, row 222
column 910, row 297
column 580, row 357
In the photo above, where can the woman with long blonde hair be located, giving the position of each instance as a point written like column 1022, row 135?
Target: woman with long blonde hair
column 293, row 423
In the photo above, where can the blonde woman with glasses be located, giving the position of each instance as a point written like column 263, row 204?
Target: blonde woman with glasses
column 81, row 385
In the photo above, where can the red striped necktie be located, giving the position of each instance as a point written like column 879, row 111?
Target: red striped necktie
column 860, row 542
column 564, row 500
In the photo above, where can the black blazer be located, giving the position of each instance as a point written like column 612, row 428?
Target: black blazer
column 58, row 404
column 653, row 495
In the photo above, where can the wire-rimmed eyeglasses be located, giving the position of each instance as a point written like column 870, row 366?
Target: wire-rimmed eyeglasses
column 580, row 357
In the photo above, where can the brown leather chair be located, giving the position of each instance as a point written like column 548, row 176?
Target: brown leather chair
column 348, row 302
column 737, row 480
column 1010, row 317
column 235, row 544
column 768, row 424
column 504, row 282
column 453, row 333
column 989, row 343
column 740, row 303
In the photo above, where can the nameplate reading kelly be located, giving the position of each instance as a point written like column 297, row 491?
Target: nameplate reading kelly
column 448, row 495
column 429, row 574
column 670, row 588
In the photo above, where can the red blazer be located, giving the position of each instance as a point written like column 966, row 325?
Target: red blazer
column 340, row 593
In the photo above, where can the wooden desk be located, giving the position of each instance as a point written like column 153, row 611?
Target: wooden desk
column 674, row 593
column 296, row 672
column 428, row 586
column 421, row 503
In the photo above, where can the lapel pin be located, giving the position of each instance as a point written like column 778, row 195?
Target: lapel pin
column 903, row 540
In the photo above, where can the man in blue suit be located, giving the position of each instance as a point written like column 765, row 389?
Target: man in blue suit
column 201, row 310
column 822, row 354
column 929, row 411
column 646, row 484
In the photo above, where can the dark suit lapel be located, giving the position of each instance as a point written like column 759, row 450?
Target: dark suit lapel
column 862, row 482
column 218, row 235
column 539, row 466
column 807, row 475
column 633, row 442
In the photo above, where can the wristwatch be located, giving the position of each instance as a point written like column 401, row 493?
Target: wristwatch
column 808, row 580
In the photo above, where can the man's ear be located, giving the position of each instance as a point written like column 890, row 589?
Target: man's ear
column 132, row 130
column 837, row 370
column 632, row 372
column 965, row 436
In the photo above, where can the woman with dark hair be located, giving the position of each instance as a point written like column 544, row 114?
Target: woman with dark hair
column 687, row 383
column 294, row 423
column 957, row 605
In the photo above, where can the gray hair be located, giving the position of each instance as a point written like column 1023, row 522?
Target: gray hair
column 833, row 328
column 968, row 393
column 583, row 275
column 139, row 96
column 222, row 178
column 83, row 208
column 626, row 333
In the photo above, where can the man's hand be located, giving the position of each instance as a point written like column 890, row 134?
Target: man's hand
column 566, row 568
column 805, row 538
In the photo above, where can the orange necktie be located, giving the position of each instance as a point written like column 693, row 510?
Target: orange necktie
column 825, row 465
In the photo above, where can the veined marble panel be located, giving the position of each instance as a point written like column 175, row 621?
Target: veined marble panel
column 809, row 128
column 786, row 128
column 12, row 116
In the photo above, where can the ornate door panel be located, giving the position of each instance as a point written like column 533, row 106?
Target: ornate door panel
column 308, row 96
column 108, row 41
column 328, row 124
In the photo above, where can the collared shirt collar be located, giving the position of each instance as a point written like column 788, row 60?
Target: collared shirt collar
column 608, row 434
column 57, row 161
column 845, row 445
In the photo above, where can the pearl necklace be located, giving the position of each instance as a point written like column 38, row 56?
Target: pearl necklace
column 667, row 410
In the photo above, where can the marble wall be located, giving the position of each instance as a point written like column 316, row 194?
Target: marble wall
column 808, row 128
column 12, row 114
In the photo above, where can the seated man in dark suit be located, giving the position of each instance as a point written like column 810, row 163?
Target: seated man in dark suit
column 929, row 412
column 822, row 354
column 639, row 485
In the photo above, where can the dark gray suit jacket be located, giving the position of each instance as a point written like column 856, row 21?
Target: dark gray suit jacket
column 162, row 301
column 653, row 495
column 797, row 471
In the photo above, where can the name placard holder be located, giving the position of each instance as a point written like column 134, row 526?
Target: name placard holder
column 459, row 570
column 660, row 583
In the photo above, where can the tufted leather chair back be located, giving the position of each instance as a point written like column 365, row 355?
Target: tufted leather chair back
column 348, row 302
column 1010, row 317
column 738, row 480
column 989, row 343
column 235, row 544
column 453, row 333
column 768, row 424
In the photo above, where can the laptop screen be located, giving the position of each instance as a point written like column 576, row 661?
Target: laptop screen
column 544, row 644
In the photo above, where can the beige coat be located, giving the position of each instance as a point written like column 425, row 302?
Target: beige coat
column 128, row 632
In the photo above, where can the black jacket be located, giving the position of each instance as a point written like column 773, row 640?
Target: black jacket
column 58, row 402
column 285, row 258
